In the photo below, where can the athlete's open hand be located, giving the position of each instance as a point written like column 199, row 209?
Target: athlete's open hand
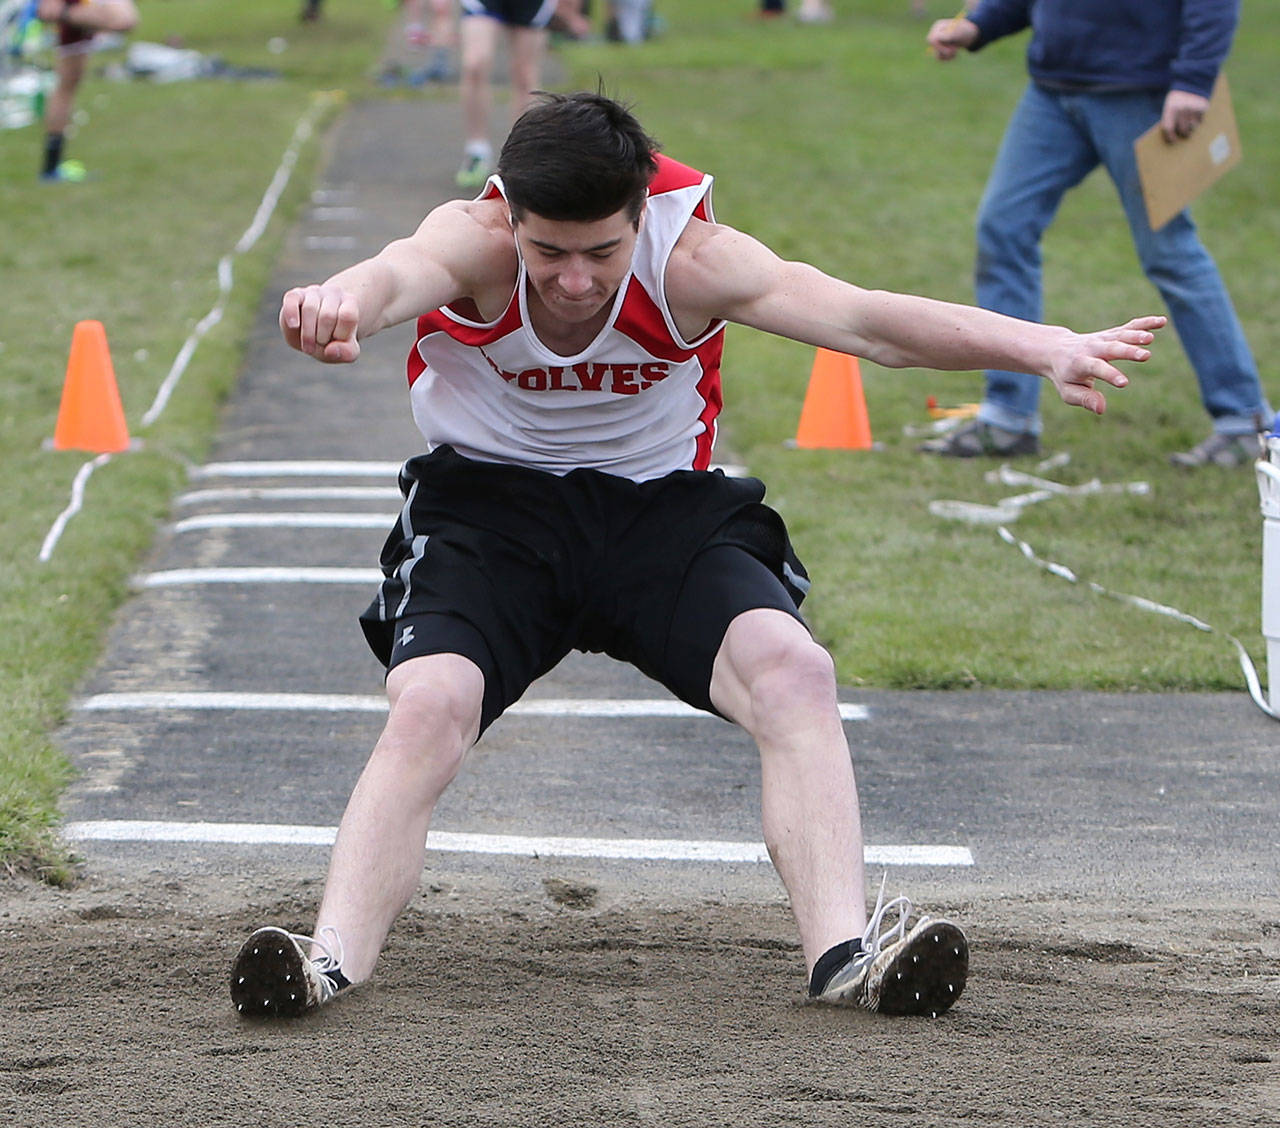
column 1085, row 358
column 321, row 321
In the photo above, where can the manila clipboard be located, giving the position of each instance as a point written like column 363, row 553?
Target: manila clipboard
column 1175, row 173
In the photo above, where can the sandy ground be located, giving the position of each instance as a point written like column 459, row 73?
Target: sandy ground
column 560, row 1002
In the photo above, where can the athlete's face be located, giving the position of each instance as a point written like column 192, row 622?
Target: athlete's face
column 576, row 268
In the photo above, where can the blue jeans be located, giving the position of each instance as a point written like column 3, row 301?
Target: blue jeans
column 1054, row 139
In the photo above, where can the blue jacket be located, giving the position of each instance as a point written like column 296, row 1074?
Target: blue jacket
column 1117, row 44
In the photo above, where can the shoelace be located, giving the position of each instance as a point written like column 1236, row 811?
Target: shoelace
column 873, row 939
column 329, row 942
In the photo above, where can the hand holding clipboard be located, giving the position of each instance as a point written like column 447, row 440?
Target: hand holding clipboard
column 1174, row 173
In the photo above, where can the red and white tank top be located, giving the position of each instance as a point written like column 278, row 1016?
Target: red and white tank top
column 639, row 401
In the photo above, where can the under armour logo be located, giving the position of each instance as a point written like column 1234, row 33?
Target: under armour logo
column 406, row 635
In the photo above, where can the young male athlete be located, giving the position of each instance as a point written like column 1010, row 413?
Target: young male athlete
column 566, row 380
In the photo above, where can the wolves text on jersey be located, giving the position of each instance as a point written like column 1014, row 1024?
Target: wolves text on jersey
column 621, row 379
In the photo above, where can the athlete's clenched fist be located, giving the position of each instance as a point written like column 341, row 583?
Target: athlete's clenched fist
column 321, row 321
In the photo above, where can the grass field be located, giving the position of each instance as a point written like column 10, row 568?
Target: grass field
column 847, row 146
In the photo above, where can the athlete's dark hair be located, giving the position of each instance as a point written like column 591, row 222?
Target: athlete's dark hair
column 578, row 157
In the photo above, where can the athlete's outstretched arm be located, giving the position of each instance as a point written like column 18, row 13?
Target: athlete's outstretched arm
column 408, row 277
column 720, row 272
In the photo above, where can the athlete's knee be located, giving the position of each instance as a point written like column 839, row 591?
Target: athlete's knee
column 777, row 672
column 798, row 674
column 435, row 705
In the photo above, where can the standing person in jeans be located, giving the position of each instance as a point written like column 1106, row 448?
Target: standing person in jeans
column 1102, row 73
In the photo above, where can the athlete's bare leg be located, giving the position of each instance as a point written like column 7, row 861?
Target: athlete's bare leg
column 380, row 850
column 778, row 684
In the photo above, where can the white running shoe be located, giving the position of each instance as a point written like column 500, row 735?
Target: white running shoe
column 896, row 971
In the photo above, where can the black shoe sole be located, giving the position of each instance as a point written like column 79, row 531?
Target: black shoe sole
column 267, row 978
column 928, row 971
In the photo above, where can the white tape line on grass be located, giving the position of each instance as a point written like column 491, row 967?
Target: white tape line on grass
column 266, row 208
column 1065, row 573
column 73, row 507
column 623, row 849
column 1009, row 509
column 270, row 199
column 376, row 703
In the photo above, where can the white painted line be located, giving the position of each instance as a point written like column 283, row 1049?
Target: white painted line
column 329, row 242
column 295, row 468
column 177, row 576
column 627, row 849
column 633, row 707
column 285, row 521
column 282, row 702
column 290, row 493
column 332, row 195
column 376, row 703
column 341, row 469
column 332, row 213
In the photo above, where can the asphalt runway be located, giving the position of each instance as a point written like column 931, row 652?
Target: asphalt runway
column 1144, row 798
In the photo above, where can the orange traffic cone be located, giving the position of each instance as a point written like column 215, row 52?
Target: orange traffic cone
column 91, row 416
column 835, row 410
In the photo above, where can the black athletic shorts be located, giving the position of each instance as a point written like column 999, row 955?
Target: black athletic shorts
column 514, row 568
column 512, row 13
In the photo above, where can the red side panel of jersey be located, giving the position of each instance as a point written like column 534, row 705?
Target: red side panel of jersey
column 709, row 353
column 642, row 321
column 437, row 321
column 672, row 175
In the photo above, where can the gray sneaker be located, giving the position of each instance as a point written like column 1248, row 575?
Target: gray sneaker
column 273, row 977
column 982, row 440
column 894, row 971
column 1219, row 450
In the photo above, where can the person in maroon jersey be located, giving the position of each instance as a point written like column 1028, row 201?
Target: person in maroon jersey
column 566, row 381
column 78, row 21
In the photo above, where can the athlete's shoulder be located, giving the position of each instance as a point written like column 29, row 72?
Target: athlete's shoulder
column 703, row 243
column 477, row 219
column 709, row 267
column 473, row 237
